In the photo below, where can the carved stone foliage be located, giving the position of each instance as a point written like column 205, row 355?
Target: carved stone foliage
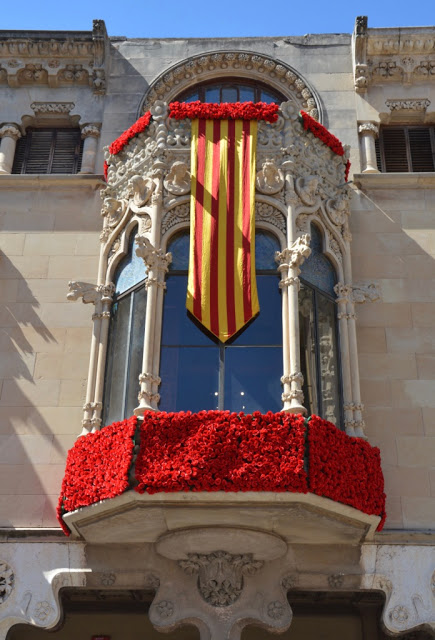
column 52, row 108
column 205, row 66
column 365, row 292
column 6, row 581
column 180, row 213
column 265, row 212
column 220, row 575
column 420, row 104
column 270, row 179
column 58, row 61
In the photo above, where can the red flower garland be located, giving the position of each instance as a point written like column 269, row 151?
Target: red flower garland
column 224, row 110
column 105, row 169
column 138, row 127
column 346, row 171
column 345, row 469
column 321, row 132
column 97, row 467
column 221, row 451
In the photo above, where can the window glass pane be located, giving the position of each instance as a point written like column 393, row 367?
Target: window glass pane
column 192, row 97
column 190, row 378
column 247, row 94
column 212, row 94
column 252, row 379
column 135, row 349
column 229, row 94
column 131, row 270
column 179, row 248
column 266, row 244
column 268, row 97
column 116, row 368
column 178, row 326
column 327, row 338
column 317, row 269
column 266, row 328
column 307, row 332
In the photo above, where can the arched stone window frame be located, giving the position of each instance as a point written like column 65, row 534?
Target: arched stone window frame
column 309, row 186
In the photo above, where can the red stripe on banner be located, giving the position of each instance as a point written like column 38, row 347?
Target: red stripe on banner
column 246, row 225
column 214, row 235
column 231, row 310
column 199, row 210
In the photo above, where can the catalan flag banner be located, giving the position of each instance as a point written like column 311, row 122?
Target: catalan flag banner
column 222, row 290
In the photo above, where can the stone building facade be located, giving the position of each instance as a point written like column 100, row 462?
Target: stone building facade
column 298, row 564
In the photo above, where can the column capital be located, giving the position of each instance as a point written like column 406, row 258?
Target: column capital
column 368, row 128
column 11, row 130
column 91, row 130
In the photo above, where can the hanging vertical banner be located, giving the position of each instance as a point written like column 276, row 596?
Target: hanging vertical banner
column 222, row 290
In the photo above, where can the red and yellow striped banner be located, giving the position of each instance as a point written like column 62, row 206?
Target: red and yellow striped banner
column 222, row 290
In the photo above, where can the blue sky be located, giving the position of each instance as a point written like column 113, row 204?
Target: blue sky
column 196, row 18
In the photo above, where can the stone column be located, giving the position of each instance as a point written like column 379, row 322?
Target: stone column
column 157, row 263
column 90, row 135
column 103, row 318
column 9, row 134
column 368, row 132
column 343, row 292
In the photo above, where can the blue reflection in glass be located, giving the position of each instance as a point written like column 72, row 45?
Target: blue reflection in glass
column 179, row 248
column 266, row 244
column 317, row 269
column 252, row 379
column 131, row 269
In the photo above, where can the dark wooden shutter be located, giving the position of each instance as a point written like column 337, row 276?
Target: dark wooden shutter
column 49, row 151
column 421, row 149
column 395, row 150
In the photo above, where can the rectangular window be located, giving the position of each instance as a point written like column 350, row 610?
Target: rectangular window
column 406, row 149
column 49, row 151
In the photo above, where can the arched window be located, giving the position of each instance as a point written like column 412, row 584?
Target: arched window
column 199, row 372
column 232, row 90
column 318, row 334
column 125, row 348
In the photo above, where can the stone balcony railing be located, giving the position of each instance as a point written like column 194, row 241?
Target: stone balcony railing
column 304, row 480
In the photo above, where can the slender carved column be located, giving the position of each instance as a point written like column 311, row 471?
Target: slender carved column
column 343, row 293
column 368, row 132
column 157, row 263
column 90, row 135
column 289, row 261
column 101, row 297
column 9, row 134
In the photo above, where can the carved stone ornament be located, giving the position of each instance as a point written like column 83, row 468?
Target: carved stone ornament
column 368, row 128
column 90, row 293
column 293, row 256
column 6, row 581
column 267, row 213
column 91, row 131
column 365, row 292
column 202, row 67
column 270, row 179
column 177, row 180
column 142, row 189
column 112, row 210
column 220, row 575
column 306, row 188
column 338, row 210
column 408, row 104
column 43, row 610
column 179, row 214
column 52, row 108
column 11, row 130
column 108, row 579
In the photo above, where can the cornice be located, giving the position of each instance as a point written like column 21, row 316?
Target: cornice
column 13, row 181
column 54, row 58
column 419, row 180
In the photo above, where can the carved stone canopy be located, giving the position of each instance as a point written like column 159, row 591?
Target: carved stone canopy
column 243, row 64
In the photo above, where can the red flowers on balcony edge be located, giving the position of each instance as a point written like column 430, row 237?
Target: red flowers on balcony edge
column 224, row 110
column 222, row 451
column 138, row 127
column 321, row 132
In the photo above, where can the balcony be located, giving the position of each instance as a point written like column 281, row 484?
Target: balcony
column 300, row 479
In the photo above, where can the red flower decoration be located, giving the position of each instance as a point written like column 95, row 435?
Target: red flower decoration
column 97, row 467
column 346, row 171
column 321, row 132
column 224, row 110
column 221, row 451
column 105, row 169
column 138, row 127
column 345, row 469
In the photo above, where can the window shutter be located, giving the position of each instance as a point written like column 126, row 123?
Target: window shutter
column 378, row 154
column 66, row 151
column 20, row 150
column 421, row 149
column 394, row 142
column 49, row 151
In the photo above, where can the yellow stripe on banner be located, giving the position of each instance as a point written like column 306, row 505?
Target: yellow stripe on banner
column 253, row 136
column 222, row 265
column 238, row 221
column 193, row 170
column 206, row 226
